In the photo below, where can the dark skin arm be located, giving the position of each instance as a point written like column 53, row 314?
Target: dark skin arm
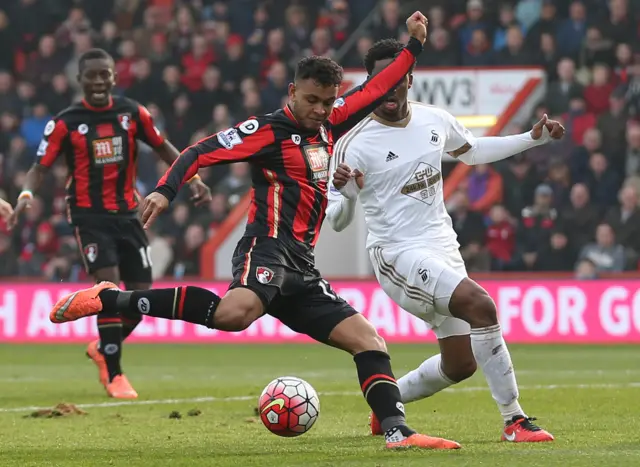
column 201, row 192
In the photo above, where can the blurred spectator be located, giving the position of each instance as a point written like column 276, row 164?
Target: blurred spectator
column 546, row 24
column 560, row 93
column 559, row 179
column 591, row 143
column 602, row 181
column 501, row 238
column 605, row 253
column 484, row 187
column 471, row 233
column 578, row 120
column 625, row 222
column 557, row 255
column 478, row 50
column 475, row 20
column 514, row 53
column 612, row 125
column 506, row 21
column 535, row 227
column 391, row 24
column 580, row 219
column 597, row 93
column 440, row 51
column 633, row 151
column 519, row 182
column 586, row 270
column 571, row 31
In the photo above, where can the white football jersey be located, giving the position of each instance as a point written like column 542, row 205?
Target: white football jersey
column 402, row 196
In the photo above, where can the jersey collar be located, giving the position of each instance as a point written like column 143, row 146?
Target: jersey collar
column 98, row 109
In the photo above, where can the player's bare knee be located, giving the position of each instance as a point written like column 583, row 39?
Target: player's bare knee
column 472, row 303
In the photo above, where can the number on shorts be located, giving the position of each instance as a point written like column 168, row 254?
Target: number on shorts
column 145, row 256
column 326, row 289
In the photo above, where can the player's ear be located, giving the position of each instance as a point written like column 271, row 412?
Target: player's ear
column 115, row 77
column 410, row 80
column 291, row 90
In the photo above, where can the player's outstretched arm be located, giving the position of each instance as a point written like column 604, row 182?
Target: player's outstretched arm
column 362, row 100
column 487, row 149
column 247, row 140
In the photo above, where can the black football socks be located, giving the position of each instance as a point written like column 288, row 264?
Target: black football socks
column 110, row 332
column 191, row 304
column 381, row 391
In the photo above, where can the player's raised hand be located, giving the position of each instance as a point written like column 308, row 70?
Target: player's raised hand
column 417, row 26
column 553, row 128
column 201, row 192
column 153, row 206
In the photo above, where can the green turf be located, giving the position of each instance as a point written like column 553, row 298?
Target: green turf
column 587, row 396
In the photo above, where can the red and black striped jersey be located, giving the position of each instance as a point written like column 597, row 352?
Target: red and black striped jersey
column 289, row 165
column 100, row 149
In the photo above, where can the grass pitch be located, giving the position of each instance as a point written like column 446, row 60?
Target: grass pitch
column 586, row 396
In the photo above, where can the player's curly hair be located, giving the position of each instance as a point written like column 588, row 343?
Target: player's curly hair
column 93, row 54
column 322, row 70
column 382, row 50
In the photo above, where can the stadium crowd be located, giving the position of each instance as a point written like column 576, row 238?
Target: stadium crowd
column 202, row 65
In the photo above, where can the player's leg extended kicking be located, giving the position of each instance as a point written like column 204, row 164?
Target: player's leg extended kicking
column 464, row 318
column 302, row 301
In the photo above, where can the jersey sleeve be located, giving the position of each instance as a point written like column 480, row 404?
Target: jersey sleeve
column 362, row 100
column 55, row 132
column 457, row 135
column 244, row 142
column 148, row 132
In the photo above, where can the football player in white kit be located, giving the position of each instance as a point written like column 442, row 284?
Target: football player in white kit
column 391, row 161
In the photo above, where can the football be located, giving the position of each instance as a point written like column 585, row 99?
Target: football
column 289, row 406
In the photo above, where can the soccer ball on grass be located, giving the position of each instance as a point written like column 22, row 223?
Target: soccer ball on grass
column 288, row 406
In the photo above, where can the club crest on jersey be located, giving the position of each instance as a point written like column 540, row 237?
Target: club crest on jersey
column 125, row 121
column 83, row 129
column 435, row 138
column 424, row 183
column 91, row 252
column 323, row 134
column 264, row 275
column 296, row 139
column 107, row 150
column 318, row 159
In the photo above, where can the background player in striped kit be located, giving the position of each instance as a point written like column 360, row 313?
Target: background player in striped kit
column 98, row 138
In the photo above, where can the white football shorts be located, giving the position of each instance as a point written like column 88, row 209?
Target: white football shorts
column 421, row 281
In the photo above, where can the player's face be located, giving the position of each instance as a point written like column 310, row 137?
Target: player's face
column 311, row 103
column 394, row 107
column 97, row 79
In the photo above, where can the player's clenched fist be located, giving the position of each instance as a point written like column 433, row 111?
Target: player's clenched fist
column 348, row 182
column 153, row 206
column 417, row 26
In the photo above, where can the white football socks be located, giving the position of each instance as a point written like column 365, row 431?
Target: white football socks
column 492, row 355
column 424, row 381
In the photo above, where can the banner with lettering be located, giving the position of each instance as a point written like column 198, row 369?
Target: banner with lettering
column 529, row 311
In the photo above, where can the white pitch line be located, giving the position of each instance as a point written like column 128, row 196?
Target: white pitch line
column 193, row 400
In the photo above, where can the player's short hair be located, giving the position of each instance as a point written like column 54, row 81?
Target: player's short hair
column 382, row 50
column 322, row 70
column 93, row 54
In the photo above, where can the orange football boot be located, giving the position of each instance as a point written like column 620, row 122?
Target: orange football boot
column 521, row 430
column 120, row 388
column 374, row 424
column 80, row 304
column 94, row 354
column 419, row 441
